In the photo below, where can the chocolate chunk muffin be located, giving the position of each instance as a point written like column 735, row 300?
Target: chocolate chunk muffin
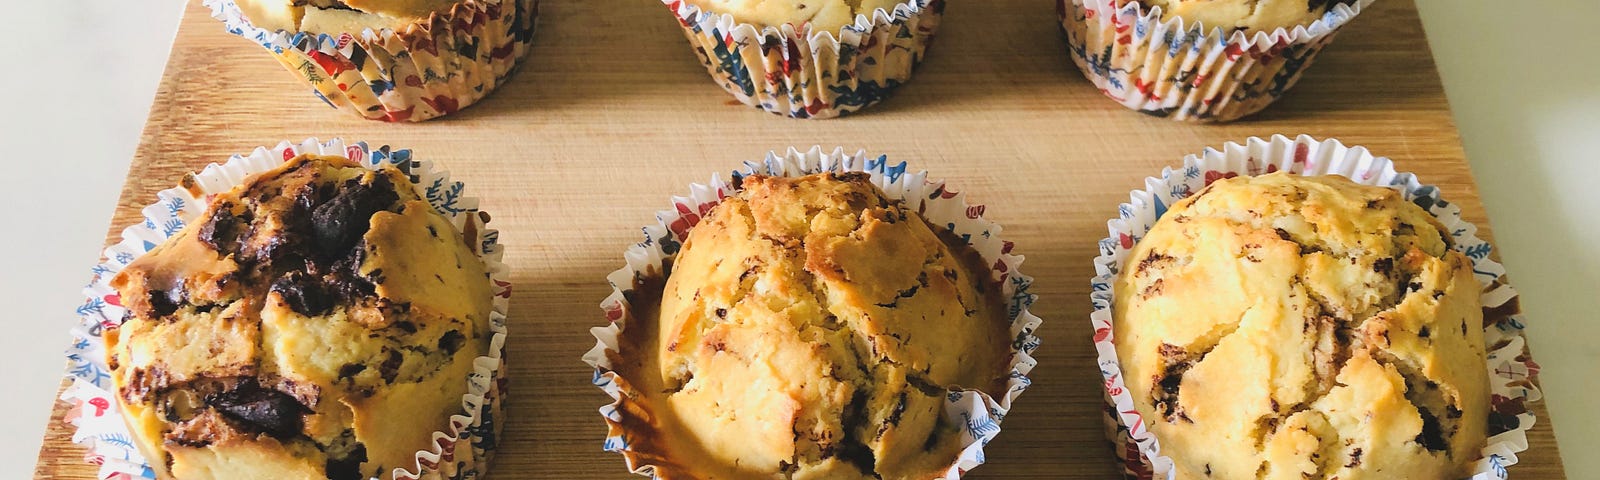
column 1250, row 15
column 820, row 15
column 1290, row 327
column 810, row 328
column 317, row 321
column 338, row 16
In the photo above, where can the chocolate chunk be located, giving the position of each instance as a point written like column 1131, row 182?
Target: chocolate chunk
column 166, row 303
column 305, row 294
column 1164, row 394
column 221, row 231
column 1383, row 265
column 897, row 412
column 1432, row 436
column 349, row 467
column 269, row 411
column 1154, row 259
column 1355, row 458
column 451, row 342
column 852, row 449
column 350, row 370
column 390, row 368
column 339, row 223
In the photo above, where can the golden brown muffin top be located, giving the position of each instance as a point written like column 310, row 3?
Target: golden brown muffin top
column 1290, row 327
column 340, row 16
column 810, row 328
column 317, row 320
column 821, row 15
column 1249, row 15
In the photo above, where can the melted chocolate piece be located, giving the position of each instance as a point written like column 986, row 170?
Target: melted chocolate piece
column 305, row 294
column 269, row 411
column 852, row 449
column 1432, row 436
column 338, row 224
column 222, row 230
column 349, row 467
column 166, row 303
column 390, row 368
column 451, row 342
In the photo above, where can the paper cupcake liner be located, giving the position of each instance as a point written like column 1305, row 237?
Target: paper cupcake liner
column 1185, row 72
column 433, row 68
column 1511, row 370
column 786, row 71
column 977, row 411
column 462, row 451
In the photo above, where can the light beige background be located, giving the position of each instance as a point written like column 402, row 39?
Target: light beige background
column 1523, row 78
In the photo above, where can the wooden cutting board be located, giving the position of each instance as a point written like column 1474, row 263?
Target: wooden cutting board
column 612, row 114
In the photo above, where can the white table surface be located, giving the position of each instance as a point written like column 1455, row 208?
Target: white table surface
column 1524, row 83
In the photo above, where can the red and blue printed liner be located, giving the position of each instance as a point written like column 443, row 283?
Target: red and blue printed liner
column 432, row 68
column 791, row 70
column 1185, row 72
column 1511, row 370
column 462, row 451
column 980, row 413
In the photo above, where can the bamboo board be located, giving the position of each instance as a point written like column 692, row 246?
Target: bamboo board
column 612, row 114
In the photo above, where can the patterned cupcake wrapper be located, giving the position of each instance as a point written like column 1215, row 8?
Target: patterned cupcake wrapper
column 980, row 413
column 1184, row 72
column 433, row 68
column 786, row 71
column 462, row 451
column 1512, row 372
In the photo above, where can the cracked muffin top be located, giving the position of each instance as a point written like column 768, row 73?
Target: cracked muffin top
column 339, row 16
column 317, row 321
column 1249, row 15
column 821, row 15
column 1288, row 327
column 810, row 328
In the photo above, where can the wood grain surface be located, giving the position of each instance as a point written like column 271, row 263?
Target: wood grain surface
column 611, row 114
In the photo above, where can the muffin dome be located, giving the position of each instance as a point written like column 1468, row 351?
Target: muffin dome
column 1291, row 327
column 317, row 321
column 810, row 328
column 1252, row 15
column 338, row 16
column 822, row 15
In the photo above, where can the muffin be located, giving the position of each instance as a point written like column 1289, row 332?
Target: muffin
column 809, row 327
column 1249, row 15
column 819, row 16
column 335, row 16
column 319, row 320
column 1304, row 327
column 1200, row 60
column 809, row 58
column 409, row 60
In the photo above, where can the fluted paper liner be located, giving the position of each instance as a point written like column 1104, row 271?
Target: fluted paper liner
column 462, row 451
column 1511, row 370
column 1184, row 71
column 790, row 70
column 977, row 411
column 431, row 68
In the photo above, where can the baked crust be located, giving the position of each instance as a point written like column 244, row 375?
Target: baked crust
column 340, row 16
column 1290, row 327
column 318, row 321
column 809, row 328
column 821, row 15
column 1251, row 15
